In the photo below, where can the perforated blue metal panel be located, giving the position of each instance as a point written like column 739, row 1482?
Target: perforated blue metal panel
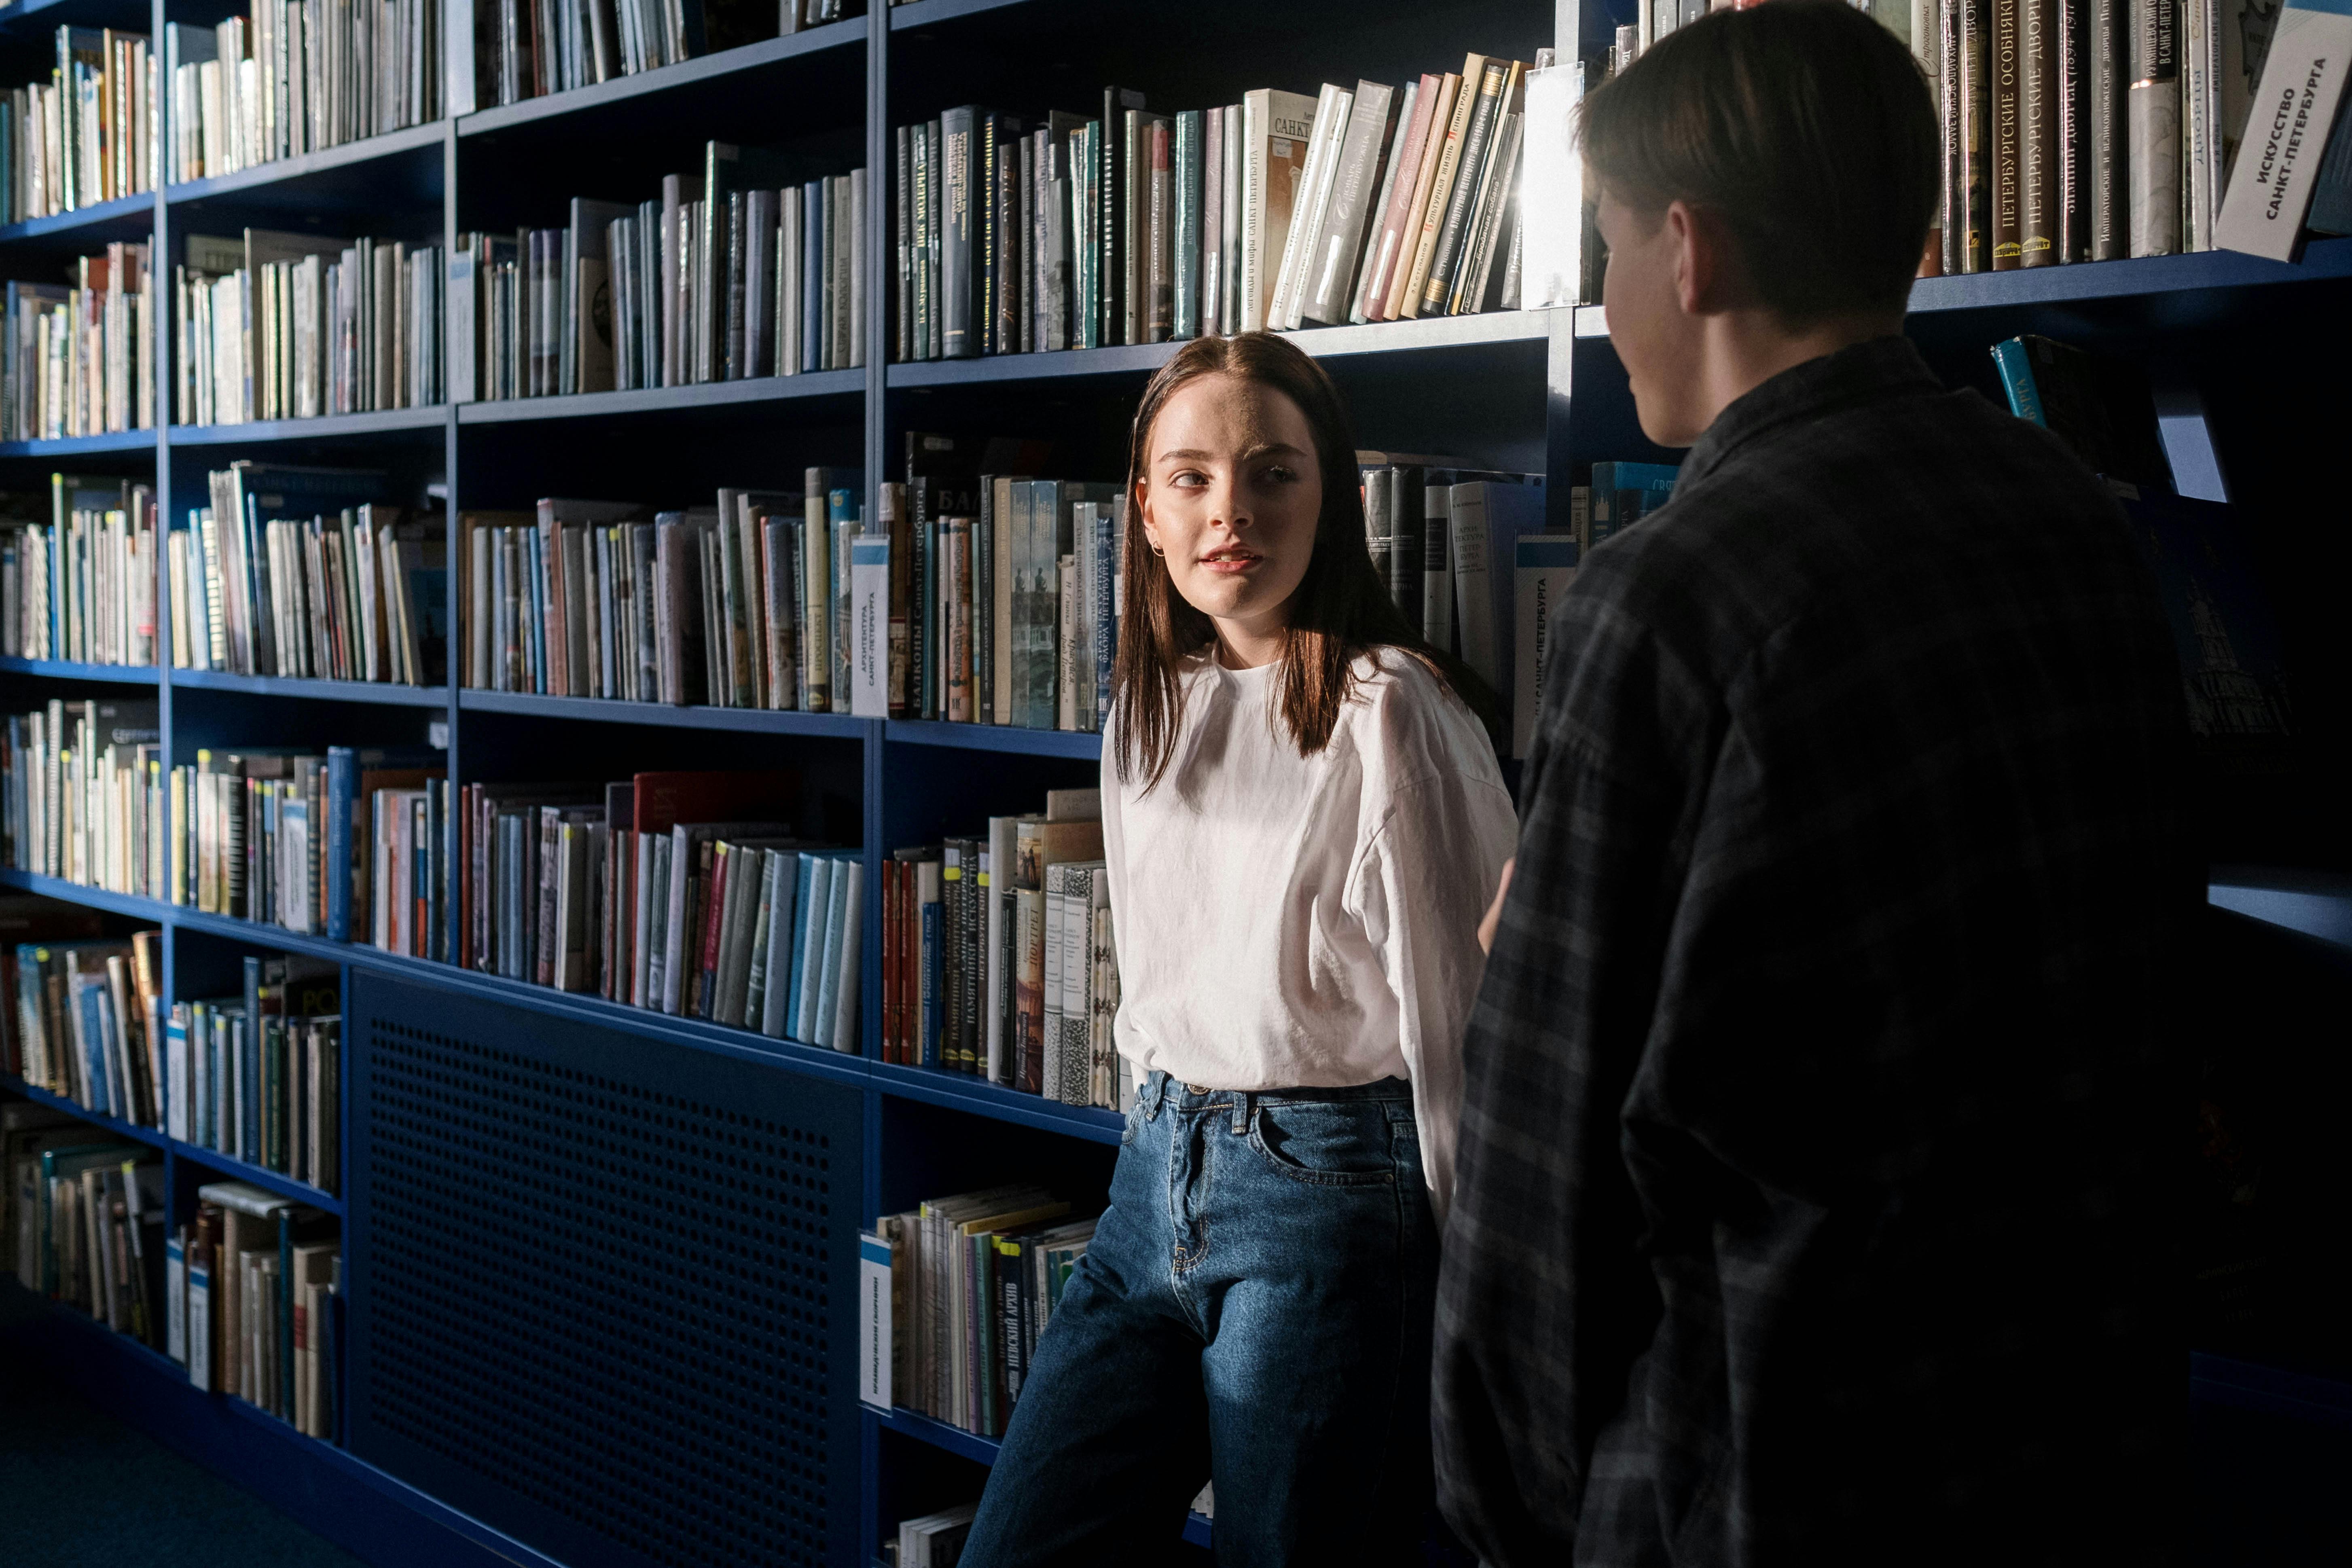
column 603, row 1287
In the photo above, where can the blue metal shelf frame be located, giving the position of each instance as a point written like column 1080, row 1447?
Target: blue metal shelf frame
column 359, row 1504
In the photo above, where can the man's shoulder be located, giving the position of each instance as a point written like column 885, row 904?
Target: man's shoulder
column 1832, row 511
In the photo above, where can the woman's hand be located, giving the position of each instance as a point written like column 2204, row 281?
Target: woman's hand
column 1495, row 910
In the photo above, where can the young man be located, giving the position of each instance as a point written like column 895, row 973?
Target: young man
column 1811, row 1204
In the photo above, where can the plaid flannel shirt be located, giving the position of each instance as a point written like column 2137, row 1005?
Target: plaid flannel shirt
column 1808, row 1202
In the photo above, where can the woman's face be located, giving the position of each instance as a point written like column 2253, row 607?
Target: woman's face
column 1230, row 500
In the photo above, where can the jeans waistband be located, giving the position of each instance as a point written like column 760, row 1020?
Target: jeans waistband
column 1159, row 1089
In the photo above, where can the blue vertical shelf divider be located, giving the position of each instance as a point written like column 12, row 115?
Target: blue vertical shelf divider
column 596, row 1315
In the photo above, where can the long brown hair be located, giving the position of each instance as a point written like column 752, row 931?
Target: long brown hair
column 1341, row 611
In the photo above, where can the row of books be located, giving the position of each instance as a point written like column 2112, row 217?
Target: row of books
column 530, row 48
column 675, row 892
column 973, row 1280
column 998, row 955
column 276, row 325
column 350, row 595
column 78, row 358
column 731, row 274
column 297, row 76
column 741, row 604
column 253, row 1296
column 305, row 572
column 1362, row 204
column 81, row 137
column 260, row 1076
column 87, row 1217
column 89, row 1023
column 83, row 798
column 82, row 587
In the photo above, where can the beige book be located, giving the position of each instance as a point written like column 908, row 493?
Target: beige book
column 1400, row 268
column 1277, row 129
column 1449, row 164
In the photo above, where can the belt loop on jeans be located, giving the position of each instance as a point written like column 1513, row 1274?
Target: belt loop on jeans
column 1244, row 1102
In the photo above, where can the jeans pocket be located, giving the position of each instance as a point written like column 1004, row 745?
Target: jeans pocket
column 1326, row 1143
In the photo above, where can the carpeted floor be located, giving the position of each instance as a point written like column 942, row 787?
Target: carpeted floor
column 79, row 1490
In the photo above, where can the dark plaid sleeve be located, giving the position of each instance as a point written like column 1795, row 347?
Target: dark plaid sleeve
column 1544, row 1300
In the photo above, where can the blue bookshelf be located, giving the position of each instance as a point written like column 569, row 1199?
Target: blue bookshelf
column 1533, row 389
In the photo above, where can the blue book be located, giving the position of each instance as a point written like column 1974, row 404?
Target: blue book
column 933, row 961
column 836, row 925
column 789, row 901
column 2017, row 380
column 811, row 904
column 1625, row 493
column 343, row 799
column 249, row 1065
column 97, row 1062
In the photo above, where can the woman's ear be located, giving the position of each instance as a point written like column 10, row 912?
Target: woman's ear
column 1142, row 504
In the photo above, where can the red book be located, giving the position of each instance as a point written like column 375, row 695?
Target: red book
column 890, row 961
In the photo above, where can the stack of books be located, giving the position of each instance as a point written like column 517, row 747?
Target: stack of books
column 742, row 269
column 295, row 326
column 88, row 1024
column 345, row 588
column 252, row 1299
column 78, row 358
column 741, row 604
column 974, row 1279
column 1361, row 204
column 682, row 893
column 84, row 135
column 998, row 958
column 298, row 76
column 88, row 1222
column 258, row 1077
column 530, row 48
column 83, row 587
column 84, row 798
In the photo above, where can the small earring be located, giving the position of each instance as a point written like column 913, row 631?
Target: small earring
column 1157, row 550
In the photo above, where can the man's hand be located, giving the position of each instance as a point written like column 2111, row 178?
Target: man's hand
column 1495, row 910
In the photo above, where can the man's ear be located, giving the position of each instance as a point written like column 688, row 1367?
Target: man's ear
column 1707, row 276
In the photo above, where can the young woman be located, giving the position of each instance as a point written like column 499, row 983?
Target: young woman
column 1303, row 821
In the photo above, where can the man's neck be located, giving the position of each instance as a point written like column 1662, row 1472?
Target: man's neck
column 1742, row 350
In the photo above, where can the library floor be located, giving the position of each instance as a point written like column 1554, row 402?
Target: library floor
column 79, row 1490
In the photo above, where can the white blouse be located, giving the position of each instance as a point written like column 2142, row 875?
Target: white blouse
column 1289, row 922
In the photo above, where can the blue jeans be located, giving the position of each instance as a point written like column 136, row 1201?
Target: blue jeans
column 1255, row 1309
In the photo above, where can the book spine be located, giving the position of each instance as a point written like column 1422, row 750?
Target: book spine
column 2107, row 59
column 2152, row 109
column 958, row 284
column 2008, row 171
column 1973, row 201
column 1186, row 313
column 2073, row 145
column 2040, row 155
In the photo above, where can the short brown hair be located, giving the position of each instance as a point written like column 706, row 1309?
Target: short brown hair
column 1341, row 611
column 1805, row 125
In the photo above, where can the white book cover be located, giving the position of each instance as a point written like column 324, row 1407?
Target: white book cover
column 1332, row 107
column 1545, row 565
column 869, row 595
column 874, row 1326
column 2287, row 130
column 1551, row 190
